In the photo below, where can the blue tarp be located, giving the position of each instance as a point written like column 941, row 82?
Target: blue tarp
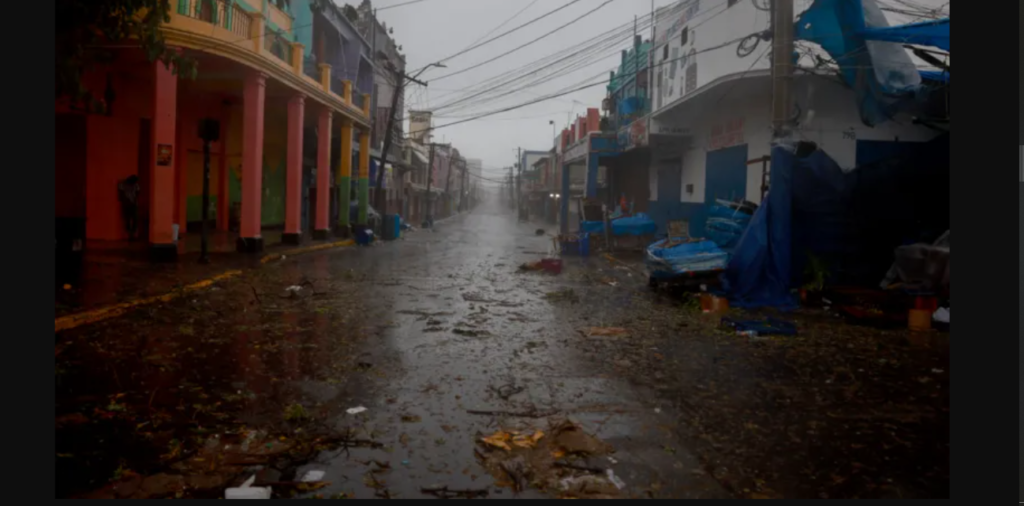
column 686, row 258
column 760, row 270
column 935, row 75
column 927, row 33
column 851, row 221
column 884, row 77
column 637, row 225
column 725, row 226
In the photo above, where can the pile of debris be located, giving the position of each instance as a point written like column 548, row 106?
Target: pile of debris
column 565, row 461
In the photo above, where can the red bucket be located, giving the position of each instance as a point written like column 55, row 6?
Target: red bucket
column 552, row 265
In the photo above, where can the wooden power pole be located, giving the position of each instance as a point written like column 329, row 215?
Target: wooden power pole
column 782, row 66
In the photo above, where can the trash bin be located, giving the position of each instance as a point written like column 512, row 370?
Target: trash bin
column 363, row 234
column 392, row 227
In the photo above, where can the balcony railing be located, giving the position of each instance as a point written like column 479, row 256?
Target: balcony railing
column 280, row 18
column 241, row 22
column 278, row 46
column 211, row 11
column 236, row 26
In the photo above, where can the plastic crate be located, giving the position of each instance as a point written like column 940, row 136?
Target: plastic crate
column 580, row 247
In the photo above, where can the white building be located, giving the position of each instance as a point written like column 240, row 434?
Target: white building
column 714, row 98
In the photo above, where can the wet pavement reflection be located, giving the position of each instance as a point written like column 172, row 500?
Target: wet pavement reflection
column 443, row 341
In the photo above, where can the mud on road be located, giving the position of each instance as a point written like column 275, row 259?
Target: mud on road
column 389, row 367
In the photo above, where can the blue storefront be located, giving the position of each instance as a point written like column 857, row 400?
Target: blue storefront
column 587, row 152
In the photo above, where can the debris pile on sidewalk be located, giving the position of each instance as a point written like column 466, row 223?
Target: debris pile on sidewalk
column 562, row 461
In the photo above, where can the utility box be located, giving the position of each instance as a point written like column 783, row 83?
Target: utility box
column 392, row 227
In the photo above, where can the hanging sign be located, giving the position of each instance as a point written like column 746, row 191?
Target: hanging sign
column 164, row 155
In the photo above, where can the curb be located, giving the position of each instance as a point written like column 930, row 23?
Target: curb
column 309, row 249
column 105, row 313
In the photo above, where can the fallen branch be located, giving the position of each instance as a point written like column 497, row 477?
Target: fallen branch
column 446, row 493
column 586, row 469
column 528, row 414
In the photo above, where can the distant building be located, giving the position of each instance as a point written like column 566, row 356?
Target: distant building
column 710, row 124
column 419, row 126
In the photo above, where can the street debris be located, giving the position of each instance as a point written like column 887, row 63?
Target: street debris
column 446, row 493
column 503, row 439
column 534, row 413
column 531, row 267
column 247, row 492
column 506, row 392
column 356, row 411
column 759, row 328
column 313, row 476
column 567, row 294
column 604, row 332
column 549, row 265
column 553, row 462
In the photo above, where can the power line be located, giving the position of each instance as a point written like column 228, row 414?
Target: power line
column 507, row 21
column 543, row 59
column 624, row 30
column 606, row 81
column 617, row 36
column 410, row 2
column 520, row 27
column 542, row 37
column 560, row 72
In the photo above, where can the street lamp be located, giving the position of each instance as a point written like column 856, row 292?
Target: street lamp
column 424, row 69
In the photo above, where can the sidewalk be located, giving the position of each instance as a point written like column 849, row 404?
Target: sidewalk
column 112, row 275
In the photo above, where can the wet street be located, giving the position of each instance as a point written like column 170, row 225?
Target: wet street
column 384, row 367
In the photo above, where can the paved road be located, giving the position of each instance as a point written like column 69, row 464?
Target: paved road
column 419, row 332
column 424, row 330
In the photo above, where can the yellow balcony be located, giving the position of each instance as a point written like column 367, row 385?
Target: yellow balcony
column 229, row 30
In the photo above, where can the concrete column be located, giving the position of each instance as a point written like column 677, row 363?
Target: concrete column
column 257, row 29
column 364, row 176
column 323, row 178
column 347, row 91
column 325, row 77
column 297, row 51
column 564, row 202
column 593, row 163
column 345, row 177
column 224, row 187
column 254, row 95
column 161, row 189
column 293, row 178
column 181, row 170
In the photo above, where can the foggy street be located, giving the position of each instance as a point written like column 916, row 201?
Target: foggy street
column 443, row 342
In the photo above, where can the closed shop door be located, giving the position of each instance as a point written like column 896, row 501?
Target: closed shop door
column 726, row 176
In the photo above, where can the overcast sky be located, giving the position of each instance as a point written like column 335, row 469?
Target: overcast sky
column 431, row 30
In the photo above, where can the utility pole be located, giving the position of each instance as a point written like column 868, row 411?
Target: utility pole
column 448, row 183
column 463, row 204
column 519, row 178
column 782, row 66
column 511, row 189
column 430, row 181
column 400, row 78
